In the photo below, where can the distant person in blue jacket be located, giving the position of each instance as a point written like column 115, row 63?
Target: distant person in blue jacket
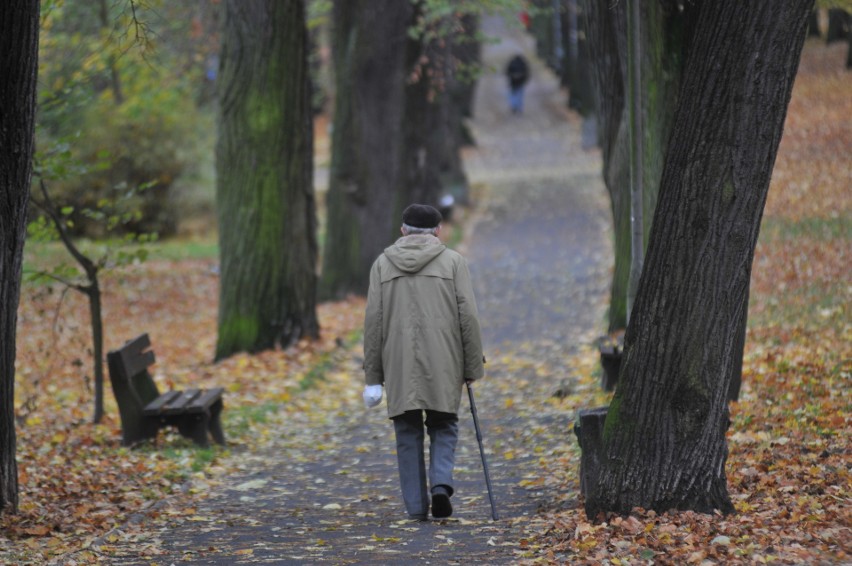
column 517, row 71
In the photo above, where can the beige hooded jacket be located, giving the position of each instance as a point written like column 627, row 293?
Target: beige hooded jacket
column 421, row 329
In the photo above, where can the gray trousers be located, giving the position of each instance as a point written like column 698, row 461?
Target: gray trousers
column 443, row 429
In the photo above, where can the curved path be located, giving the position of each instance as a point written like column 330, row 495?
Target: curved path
column 326, row 489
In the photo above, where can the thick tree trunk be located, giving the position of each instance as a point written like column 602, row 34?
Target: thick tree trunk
column 19, row 25
column 664, row 438
column 264, row 166
column 364, row 196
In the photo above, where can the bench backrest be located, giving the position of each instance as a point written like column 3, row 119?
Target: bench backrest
column 128, row 373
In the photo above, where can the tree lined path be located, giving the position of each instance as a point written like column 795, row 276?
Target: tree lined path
column 324, row 487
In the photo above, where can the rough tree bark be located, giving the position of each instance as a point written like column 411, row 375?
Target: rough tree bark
column 264, row 189
column 664, row 438
column 19, row 25
column 364, row 201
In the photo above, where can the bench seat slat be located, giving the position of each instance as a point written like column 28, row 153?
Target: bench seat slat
column 178, row 405
column 205, row 400
column 155, row 407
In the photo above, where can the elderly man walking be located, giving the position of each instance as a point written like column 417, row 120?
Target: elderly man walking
column 422, row 342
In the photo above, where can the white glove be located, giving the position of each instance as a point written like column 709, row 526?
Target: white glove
column 372, row 395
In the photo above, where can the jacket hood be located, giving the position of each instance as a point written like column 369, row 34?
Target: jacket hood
column 412, row 253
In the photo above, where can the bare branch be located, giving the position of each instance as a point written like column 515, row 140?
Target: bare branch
column 48, row 208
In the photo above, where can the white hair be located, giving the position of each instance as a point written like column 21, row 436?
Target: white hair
column 408, row 230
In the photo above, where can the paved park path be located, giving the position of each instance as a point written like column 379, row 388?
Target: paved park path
column 326, row 489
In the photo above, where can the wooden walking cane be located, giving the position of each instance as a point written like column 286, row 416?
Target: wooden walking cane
column 481, row 450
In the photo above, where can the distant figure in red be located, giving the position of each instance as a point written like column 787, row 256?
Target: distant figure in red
column 518, row 73
column 524, row 17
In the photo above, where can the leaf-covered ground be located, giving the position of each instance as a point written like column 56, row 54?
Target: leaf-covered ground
column 310, row 476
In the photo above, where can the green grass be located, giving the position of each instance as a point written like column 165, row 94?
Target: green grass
column 43, row 255
column 207, row 248
column 239, row 421
column 822, row 229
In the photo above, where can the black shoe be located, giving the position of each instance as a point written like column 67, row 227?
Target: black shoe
column 418, row 517
column 441, row 506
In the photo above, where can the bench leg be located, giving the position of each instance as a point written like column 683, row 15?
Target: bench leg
column 138, row 431
column 194, row 427
column 215, row 425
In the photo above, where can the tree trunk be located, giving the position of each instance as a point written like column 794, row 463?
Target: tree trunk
column 635, row 98
column 606, row 32
column 664, row 438
column 736, row 383
column 93, row 292
column 19, row 25
column 364, row 199
column 542, row 30
column 577, row 75
column 425, row 119
column 663, row 40
column 264, row 189
column 465, row 57
column 467, row 52
column 431, row 160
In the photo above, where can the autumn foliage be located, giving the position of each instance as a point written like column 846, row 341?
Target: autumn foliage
column 788, row 468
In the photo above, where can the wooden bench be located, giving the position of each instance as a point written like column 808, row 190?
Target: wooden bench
column 194, row 412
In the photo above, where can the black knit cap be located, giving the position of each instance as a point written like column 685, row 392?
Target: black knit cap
column 421, row 216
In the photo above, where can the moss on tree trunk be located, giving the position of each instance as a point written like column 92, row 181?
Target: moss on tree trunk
column 264, row 166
